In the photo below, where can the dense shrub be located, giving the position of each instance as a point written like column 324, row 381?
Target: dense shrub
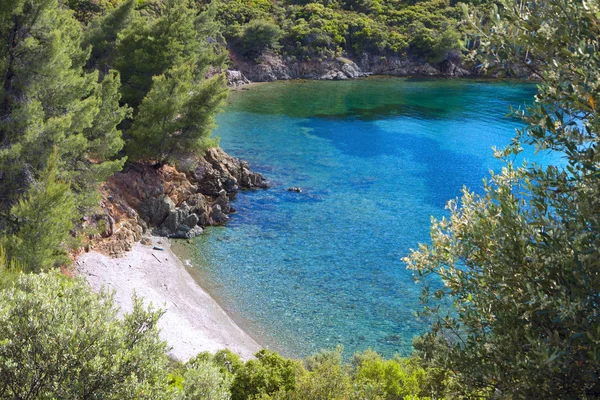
column 60, row 340
column 266, row 375
column 326, row 29
column 256, row 37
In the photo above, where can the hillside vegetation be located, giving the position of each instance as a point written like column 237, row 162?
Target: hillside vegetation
column 88, row 87
column 323, row 29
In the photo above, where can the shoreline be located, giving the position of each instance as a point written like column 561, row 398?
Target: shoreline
column 193, row 321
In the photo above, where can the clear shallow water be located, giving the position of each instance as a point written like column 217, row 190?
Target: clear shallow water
column 375, row 159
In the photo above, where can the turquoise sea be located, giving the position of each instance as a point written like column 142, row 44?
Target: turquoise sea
column 375, row 159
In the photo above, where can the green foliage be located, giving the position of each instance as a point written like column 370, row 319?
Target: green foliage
column 154, row 44
column 176, row 116
column 203, row 379
column 326, row 29
column 42, row 221
column 256, row 37
column 60, row 340
column 163, row 56
column 327, row 377
column 264, row 376
column 389, row 379
column 86, row 10
column 48, row 102
column 103, row 33
column 10, row 269
column 228, row 361
column 520, row 261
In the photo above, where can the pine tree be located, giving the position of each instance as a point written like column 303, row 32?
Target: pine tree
column 47, row 101
column 176, row 118
column 41, row 222
column 152, row 44
column 163, row 59
column 103, row 33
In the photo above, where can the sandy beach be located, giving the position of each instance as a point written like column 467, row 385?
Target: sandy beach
column 193, row 321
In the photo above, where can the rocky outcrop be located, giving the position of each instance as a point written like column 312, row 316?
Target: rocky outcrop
column 235, row 78
column 167, row 202
column 270, row 67
column 218, row 171
column 405, row 66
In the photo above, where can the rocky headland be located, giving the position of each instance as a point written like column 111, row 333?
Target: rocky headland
column 270, row 67
column 161, row 200
column 141, row 208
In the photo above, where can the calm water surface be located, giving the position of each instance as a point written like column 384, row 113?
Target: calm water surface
column 376, row 159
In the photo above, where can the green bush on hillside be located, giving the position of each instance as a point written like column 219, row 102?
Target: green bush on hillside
column 326, row 29
column 256, row 37
column 60, row 340
column 267, row 375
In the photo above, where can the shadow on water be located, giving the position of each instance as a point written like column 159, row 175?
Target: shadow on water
column 443, row 170
column 378, row 97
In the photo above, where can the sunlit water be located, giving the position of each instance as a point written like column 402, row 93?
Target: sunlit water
column 375, row 159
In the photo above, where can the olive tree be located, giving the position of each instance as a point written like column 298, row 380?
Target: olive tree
column 58, row 339
column 521, row 261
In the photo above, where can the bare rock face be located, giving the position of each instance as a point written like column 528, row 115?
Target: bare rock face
column 271, row 67
column 171, row 203
column 156, row 210
column 235, row 78
column 406, row 66
column 219, row 171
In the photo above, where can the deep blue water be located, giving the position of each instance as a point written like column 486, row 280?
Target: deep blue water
column 376, row 159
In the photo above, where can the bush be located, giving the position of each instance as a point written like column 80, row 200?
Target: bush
column 60, row 340
column 327, row 377
column 266, row 375
column 390, row 379
column 256, row 37
column 202, row 379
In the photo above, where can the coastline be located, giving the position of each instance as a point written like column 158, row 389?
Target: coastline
column 193, row 321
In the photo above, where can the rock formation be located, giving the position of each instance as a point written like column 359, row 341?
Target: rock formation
column 271, row 67
column 160, row 199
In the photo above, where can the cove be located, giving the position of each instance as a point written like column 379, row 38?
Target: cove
column 375, row 159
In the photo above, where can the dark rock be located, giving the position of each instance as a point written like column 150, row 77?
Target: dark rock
column 236, row 78
column 217, row 215
column 195, row 231
column 271, row 67
column 223, row 202
column 295, row 189
column 192, row 220
column 181, row 232
column 218, row 171
column 175, row 220
column 204, row 219
column 158, row 248
column 146, row 196
column 198, row 204
column 156, row 210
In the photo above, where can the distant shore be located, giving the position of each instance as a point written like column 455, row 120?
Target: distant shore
column 193, row 321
